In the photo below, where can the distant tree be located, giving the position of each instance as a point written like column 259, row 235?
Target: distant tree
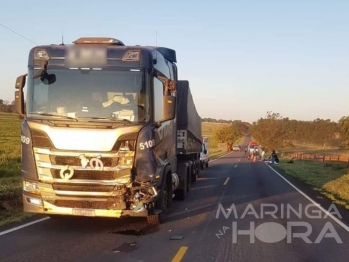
column 227, row 134
column 270, row 131
column 344, row 131
column 276, row 132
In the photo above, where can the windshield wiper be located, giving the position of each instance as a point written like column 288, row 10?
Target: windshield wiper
column 109, row 118
column 56, row 115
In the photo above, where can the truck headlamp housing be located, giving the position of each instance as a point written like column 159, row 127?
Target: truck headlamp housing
column 31, row 187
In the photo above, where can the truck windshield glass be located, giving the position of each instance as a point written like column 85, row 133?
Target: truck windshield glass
column 89, row 94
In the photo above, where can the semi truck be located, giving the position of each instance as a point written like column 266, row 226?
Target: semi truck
column 107, row 130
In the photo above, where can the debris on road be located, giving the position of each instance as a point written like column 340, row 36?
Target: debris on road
column 176, row 237
column 126, row 247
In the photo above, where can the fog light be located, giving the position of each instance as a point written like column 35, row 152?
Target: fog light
column 34, row 201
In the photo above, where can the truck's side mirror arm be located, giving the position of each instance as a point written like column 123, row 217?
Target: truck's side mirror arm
column 19, row 95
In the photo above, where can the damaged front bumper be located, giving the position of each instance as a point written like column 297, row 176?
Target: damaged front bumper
column 132, row 202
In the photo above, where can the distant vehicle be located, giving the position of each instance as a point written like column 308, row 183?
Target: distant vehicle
column 253, row 146
column 237, row 148
column 204, row 155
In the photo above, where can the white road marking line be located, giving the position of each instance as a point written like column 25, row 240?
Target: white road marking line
column 226, row 181
column 235, row 166
column 311, row 200
column 22, row 226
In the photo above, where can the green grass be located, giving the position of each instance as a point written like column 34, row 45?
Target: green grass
column 317, row 150
column 10, row 170
column 331, row 178
column 209, row 129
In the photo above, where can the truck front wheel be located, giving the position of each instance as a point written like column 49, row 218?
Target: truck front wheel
column 163, row 203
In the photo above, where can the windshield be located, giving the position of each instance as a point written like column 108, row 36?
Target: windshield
column 89, row 94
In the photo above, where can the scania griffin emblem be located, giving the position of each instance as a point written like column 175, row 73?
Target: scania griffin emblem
column 95, row 163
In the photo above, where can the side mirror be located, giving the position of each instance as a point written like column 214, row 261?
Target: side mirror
column 19, row 96
column 20, row 81
column 169, row 111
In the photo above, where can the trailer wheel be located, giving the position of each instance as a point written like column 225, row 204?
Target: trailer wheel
column 189, row 175
column 181, row 194
column 195, row 173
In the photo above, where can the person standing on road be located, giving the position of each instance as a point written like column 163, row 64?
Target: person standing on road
column 262, row 154
column 274, row 157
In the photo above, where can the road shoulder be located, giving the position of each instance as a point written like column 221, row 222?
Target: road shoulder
column 313, row 194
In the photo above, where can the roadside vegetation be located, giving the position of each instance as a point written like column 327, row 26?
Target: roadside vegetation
column 331, row 178
column 317, row 137
column 10, row 168
column 223, row 132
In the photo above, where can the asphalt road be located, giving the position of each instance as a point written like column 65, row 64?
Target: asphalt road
column 202, row 235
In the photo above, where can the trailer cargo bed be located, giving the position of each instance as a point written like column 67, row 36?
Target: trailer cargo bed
column 188, row 121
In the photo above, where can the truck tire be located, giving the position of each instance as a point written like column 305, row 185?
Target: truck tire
column 163, row 204
column 194, row 173
column 181, row 194
column 154, row 220
column 198, row 170
column 189, row 177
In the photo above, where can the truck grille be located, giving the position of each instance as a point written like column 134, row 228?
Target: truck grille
column 87, row 174
column 84, row 204
column 82, row 187
column 75, row 161
column 117, row 204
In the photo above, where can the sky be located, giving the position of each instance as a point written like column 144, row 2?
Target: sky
column 241, row 57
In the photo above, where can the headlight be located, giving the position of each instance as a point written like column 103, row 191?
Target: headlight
column 31, row 187
column 126, row 158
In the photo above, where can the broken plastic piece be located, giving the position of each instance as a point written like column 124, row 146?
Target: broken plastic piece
column 176, row 238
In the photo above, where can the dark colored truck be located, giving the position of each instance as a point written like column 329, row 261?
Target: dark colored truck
column 101, row 121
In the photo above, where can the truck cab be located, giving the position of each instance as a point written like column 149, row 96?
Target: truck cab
column 99, row 130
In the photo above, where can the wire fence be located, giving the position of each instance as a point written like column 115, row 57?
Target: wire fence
column 317, row 157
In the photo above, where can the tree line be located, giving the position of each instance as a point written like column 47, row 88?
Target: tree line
column 276, row 132
column 7, row 107
column 221, row 121
column 232, row 132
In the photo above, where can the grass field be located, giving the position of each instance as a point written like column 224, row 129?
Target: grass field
column 318, row 150
column 331, row 179
column 208, row 129
column 10, row 161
